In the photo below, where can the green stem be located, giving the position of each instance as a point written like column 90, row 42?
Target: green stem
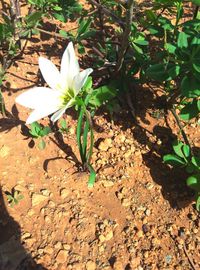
column 92, row 176
column 84, row 119
column 85, row 136
column 78, row 133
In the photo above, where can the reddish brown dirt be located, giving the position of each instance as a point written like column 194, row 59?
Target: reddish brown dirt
column 139, row 215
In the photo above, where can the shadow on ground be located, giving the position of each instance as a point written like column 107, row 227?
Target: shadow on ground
column 13, row 255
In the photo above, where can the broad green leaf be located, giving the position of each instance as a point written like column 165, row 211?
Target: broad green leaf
column 163, row 72
column 189, row 111
column 83, row 26
column 170, row 48
column 196, row 65
column 165, row 23
column 33, row 18
column 190, row 87
column 186, row 150
column 137, row 48
column 198, row 201
column 59, row 17
column 196, row 162
column 63, row 123
column 182, row 40
column 173, row 71
column 196, row 40
column 45, row 131
column 102, row 95
column 174, row 160
column 141, row 41
column 64, row 34
column 157, row 72
column 194, row 182
column 88, row 85
column 42, row 145
column 151, row 16
column 196, row 2
column 177, row 147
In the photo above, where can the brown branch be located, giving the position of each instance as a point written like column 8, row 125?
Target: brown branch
column 125, row 37
column 49, row 33
column 180, row 127
column 107, row 12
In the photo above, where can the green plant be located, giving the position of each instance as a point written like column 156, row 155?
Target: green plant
column 63, row 126
column 37, row 131
column 182, row 157
column 14, row 197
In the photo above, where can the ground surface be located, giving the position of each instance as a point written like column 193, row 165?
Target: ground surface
column 139, row 215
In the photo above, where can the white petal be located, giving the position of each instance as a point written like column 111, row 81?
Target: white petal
column 80, row 79
column 38, row 114
column 69, row 66
column 59, row 113
column 38, row 97
column 50, row 73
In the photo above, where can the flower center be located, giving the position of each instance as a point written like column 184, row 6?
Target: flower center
column 67, row 96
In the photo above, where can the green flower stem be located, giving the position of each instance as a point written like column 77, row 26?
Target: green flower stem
column 84, row 119
column 92, row 176
column 85, row 136
column 78, row 133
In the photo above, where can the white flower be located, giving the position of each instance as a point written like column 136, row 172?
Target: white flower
column 64, row 87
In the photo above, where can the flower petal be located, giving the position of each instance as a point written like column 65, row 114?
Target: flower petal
column 59, row 113
column 50, row 73
column 38, row 114
column 38, row 97
column 69, row 66
column 80, row 79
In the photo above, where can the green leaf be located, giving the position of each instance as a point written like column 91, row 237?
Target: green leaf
column 102, row 95
column 42, row 145
column 88, row 85
column 174, row 160
column 157, row 72
column 190, row 87
column 63, row 123
column 163, row 72
column 64, row 34
column 182, row 40
column 190, row 111
column 137, row 48
column 194, row 182
column 141, row 41
column 92, row 176
column 83, row 26
column 35, row 129
column 45, row 131
column 33, row 18
column 186, row 150
column 198, row 201
column 181, row 149
column 59, row 17
column 196, row 65
column 170, row 48
column 196, row 162
column 151, row 16
column 196, row 2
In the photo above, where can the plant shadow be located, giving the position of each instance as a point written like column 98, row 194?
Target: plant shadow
column 172, row 180
column 13, row 255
